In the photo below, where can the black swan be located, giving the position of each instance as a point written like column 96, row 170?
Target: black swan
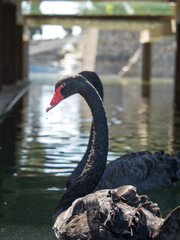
column 93, row 78
column 107, row 214
column 144, row 170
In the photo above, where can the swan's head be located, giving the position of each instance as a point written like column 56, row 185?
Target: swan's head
column 94, row 79
column 65, row 87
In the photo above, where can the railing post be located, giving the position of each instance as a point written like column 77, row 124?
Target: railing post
column 177, row 70
column 0, row 45
column 25, row 58
column 146, row 61
column 19, row 52
column 177, row 59
column 9, row 42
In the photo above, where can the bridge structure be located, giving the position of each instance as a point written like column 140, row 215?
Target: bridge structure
column 14, row 25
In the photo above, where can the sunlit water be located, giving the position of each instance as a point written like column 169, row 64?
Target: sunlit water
column 38, row 151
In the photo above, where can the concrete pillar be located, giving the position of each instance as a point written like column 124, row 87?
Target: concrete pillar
column 146, row 61
column 0, row 45
column 9, row 43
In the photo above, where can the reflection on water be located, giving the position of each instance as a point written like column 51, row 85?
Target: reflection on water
column 38, row 150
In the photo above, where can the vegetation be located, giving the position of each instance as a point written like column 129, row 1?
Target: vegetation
column 110, row 8
column 128, row 8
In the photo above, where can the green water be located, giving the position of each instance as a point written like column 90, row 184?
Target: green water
column 39, row 151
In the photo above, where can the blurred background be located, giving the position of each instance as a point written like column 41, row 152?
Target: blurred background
column 132, row 45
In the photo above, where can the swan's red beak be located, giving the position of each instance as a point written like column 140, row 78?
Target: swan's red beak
column 57, row 98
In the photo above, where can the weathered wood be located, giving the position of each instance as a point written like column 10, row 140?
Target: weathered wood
column 130, row 22
column 177, row 67
column 101, row 17
column 102, row 0
column 9, row 43
column 146, row 61
column 177, row 63
column 0, row 45
column 156, row 33
column 19, row 52
column 177, row 70
column 25, row 59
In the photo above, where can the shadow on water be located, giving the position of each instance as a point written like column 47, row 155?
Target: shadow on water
column 25, row 206
column 39, row 151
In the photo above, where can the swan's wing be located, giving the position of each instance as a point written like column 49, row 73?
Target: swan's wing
column 131, row 214
column 128, row 194
column 110, row 214
column 170, row 228
column 144, row 170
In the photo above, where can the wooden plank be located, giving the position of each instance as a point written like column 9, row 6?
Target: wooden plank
column 9, row 43
column 157, row 33
column 101, row 17
column 0, row 45
column 101, row 0
column 104, row 22
column 146, row 62
column 19, row 52
column 177, row 70
column 25, row 59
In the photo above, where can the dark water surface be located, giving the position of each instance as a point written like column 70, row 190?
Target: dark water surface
column 38, row 150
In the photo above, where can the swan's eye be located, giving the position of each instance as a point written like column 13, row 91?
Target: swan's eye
column 63, row 84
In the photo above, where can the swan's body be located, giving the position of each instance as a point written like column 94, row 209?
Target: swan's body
column 144, row 170
column 108, row 214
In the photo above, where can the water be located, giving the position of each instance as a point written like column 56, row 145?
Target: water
column 38, row 151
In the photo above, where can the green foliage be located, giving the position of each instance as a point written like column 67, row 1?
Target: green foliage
column 31, row 8
column 127, row 8
column 110, row 8
column 35, row 8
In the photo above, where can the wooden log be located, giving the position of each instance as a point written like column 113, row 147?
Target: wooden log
column 25, row 63
column 0, row 45
column 19, row 52
column 177, row 63
column 146, row 61
column 177, row 70
column 9, row 43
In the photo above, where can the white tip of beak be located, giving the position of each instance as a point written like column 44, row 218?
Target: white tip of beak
column 49, row 108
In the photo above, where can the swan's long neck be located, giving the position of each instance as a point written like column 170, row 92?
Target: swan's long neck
column 94, row 79
column 78, row 170
column 96, row 161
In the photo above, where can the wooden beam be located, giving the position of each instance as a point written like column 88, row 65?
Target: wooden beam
column 9, row 43
column 146, row 61
column 157, row 33
column 25, row 59
column 19, row 52
column 96, row 0
column 177, row 70
column 130, row 22
column 101, row 17
column 0, row 45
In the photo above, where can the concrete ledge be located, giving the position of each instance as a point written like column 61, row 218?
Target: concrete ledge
column 10, row 95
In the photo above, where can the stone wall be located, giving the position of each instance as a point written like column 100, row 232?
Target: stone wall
column 114, row 48
column 163, row 57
